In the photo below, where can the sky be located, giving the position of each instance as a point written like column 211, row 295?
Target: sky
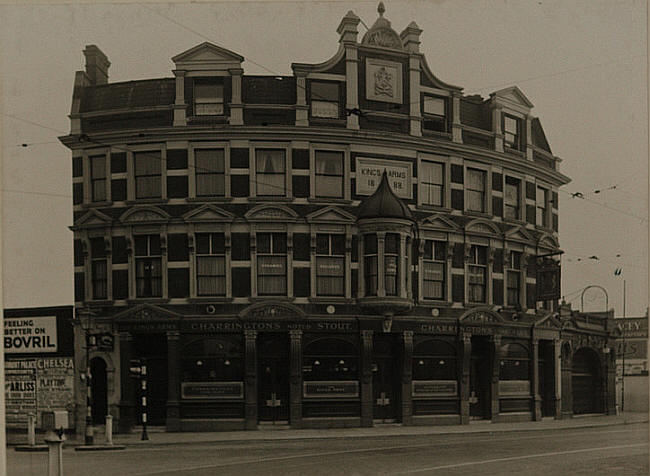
column 582, row 63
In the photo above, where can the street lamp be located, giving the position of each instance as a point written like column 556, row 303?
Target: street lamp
column 85, row 321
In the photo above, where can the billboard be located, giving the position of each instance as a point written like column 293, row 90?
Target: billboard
column 23, row 335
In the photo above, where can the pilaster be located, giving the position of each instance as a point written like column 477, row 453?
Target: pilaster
column 466, row 342
column 295, row 382
column 236, row 106
column 250, row 379
column 456, row 129
column 537, row 399
column 494, row 384
column 173, row 382
column 127, row 394
column 366, row 378
column 407, row 378
column 180, row 108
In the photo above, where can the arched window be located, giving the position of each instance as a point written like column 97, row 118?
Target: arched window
column 515, row 362
column 330, row 359
column 434, row 360
column 213, row 360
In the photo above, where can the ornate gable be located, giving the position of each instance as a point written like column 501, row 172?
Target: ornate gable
column 92, row 219
column 439, row 221
column 331, row 214
column 482, row 226
column 480, row 316
column 207, row 56
column 271, row 213
column 145, row 312
column 208, row 213
column 519, row 234
column 144, row 215
column 381, row 34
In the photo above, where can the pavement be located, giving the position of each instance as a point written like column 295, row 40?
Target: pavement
column 158, row 437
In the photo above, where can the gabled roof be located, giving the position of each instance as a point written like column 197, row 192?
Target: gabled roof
column 513, row 95
column 207, row 52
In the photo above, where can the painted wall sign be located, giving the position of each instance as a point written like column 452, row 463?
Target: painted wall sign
column 212, row 390
column 434, row 388
column 30, row 334
column 449, row 329
column 635, row 327
column 633, row 349
column 369, row 172
column 148, row 326
column 514, row 388
column 331, row 389
column 37, row 385
column 222, row 325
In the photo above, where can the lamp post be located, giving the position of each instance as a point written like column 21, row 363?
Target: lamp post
column 85, row 321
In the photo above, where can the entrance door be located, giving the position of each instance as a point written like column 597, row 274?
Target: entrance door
column 273, row 378
column 584, row 381
column 546, row 372
column 98, row 391
column 479, row 379
column 152, row 348
column 386, row 378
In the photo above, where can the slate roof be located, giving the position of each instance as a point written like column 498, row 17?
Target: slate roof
column 383, row 204
column 130, row 94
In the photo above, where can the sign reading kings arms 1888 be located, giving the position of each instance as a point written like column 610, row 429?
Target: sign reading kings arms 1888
column 369, row 172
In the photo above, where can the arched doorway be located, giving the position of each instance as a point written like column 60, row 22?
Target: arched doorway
column 585, row 381
column 99, row 391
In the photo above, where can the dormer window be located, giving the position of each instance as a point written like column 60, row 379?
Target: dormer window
column 512, row 132
column 208, row 98
column 434, row 112
column 325, row 99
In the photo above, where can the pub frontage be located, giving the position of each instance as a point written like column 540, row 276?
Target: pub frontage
column 355, row 243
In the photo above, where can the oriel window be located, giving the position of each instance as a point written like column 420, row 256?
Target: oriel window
column 370, row 264
column 99, row 271
column 98, row 177
column 270, row 172
column 330, row 265
column 391, row 263
column 147, row 174
column 325, row 99
column 477, row 274
column 210, row 264
column 431, row 182
column 433, row 270
column 329, row 174
column 208, row 98
column 272, row 264
column 210, row 172
column 148, row 266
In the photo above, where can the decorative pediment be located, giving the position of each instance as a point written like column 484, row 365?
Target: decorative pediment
column 144, row 214
column 480, row 316
column 208, row 213
column 271, row 213
column 381, row 34
column 482, row 226
column 548, row 241
column 273, row 310
column 549, row 321
column 439, row 222
column 207, row 56
column 519, row 234
column 92, row 219
column 512, row 95
column 145, row 312
column 331, row 214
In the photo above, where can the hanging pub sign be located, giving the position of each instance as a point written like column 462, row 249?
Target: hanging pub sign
column 548, row 281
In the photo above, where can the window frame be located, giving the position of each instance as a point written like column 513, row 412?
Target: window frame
column 486, row 186
column 192, row 171
column 397, row 276
column 517, row 141
column 208, row 81
column 288, row 167
column 271, row 253
column 341, row 176
column 99, row 180
column 131, row 176
column 427, row 116
column 367, row 270
column 544, row 219
column 339, row 99
column 96, row 280
column 331, row 256
column 151, row 259
column 518, row 208
column 513, row 269
column 434, row 259
column 421, row 184
column 210, row 254
column 474, row 264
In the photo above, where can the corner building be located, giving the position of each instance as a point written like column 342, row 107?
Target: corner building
column 356, row 243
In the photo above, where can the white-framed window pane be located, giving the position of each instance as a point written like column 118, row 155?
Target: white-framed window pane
column 328, row 186
column 148, row 163
column 431, row 183
column 99, row 279
column 329, row 276
column 329, row 174
column 148, row 187
column 510, row 124
column 326, row 109
column 475, row 201
column 99, row 190
column 434, row 106
column 98, row 166
column 270, row 167
column 209, row 109
column 476, row 179
column 208, row 92
column 268, row 184
column 210, row 184
column 433, row 280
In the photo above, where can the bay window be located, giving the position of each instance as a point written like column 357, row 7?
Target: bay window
column 477, row 274
column 210, row 264
column 209, row 168
column 433, row 270
column 271, row 264
column 370, row 264
column 329, row 174
column 148, row 266
column 330, row 265
column 270, row 172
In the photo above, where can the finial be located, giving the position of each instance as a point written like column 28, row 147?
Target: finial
column 381, row 9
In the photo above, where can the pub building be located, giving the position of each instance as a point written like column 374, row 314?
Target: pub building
column 355, row 243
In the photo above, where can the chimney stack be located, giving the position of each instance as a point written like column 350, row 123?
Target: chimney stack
column 96, row 65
